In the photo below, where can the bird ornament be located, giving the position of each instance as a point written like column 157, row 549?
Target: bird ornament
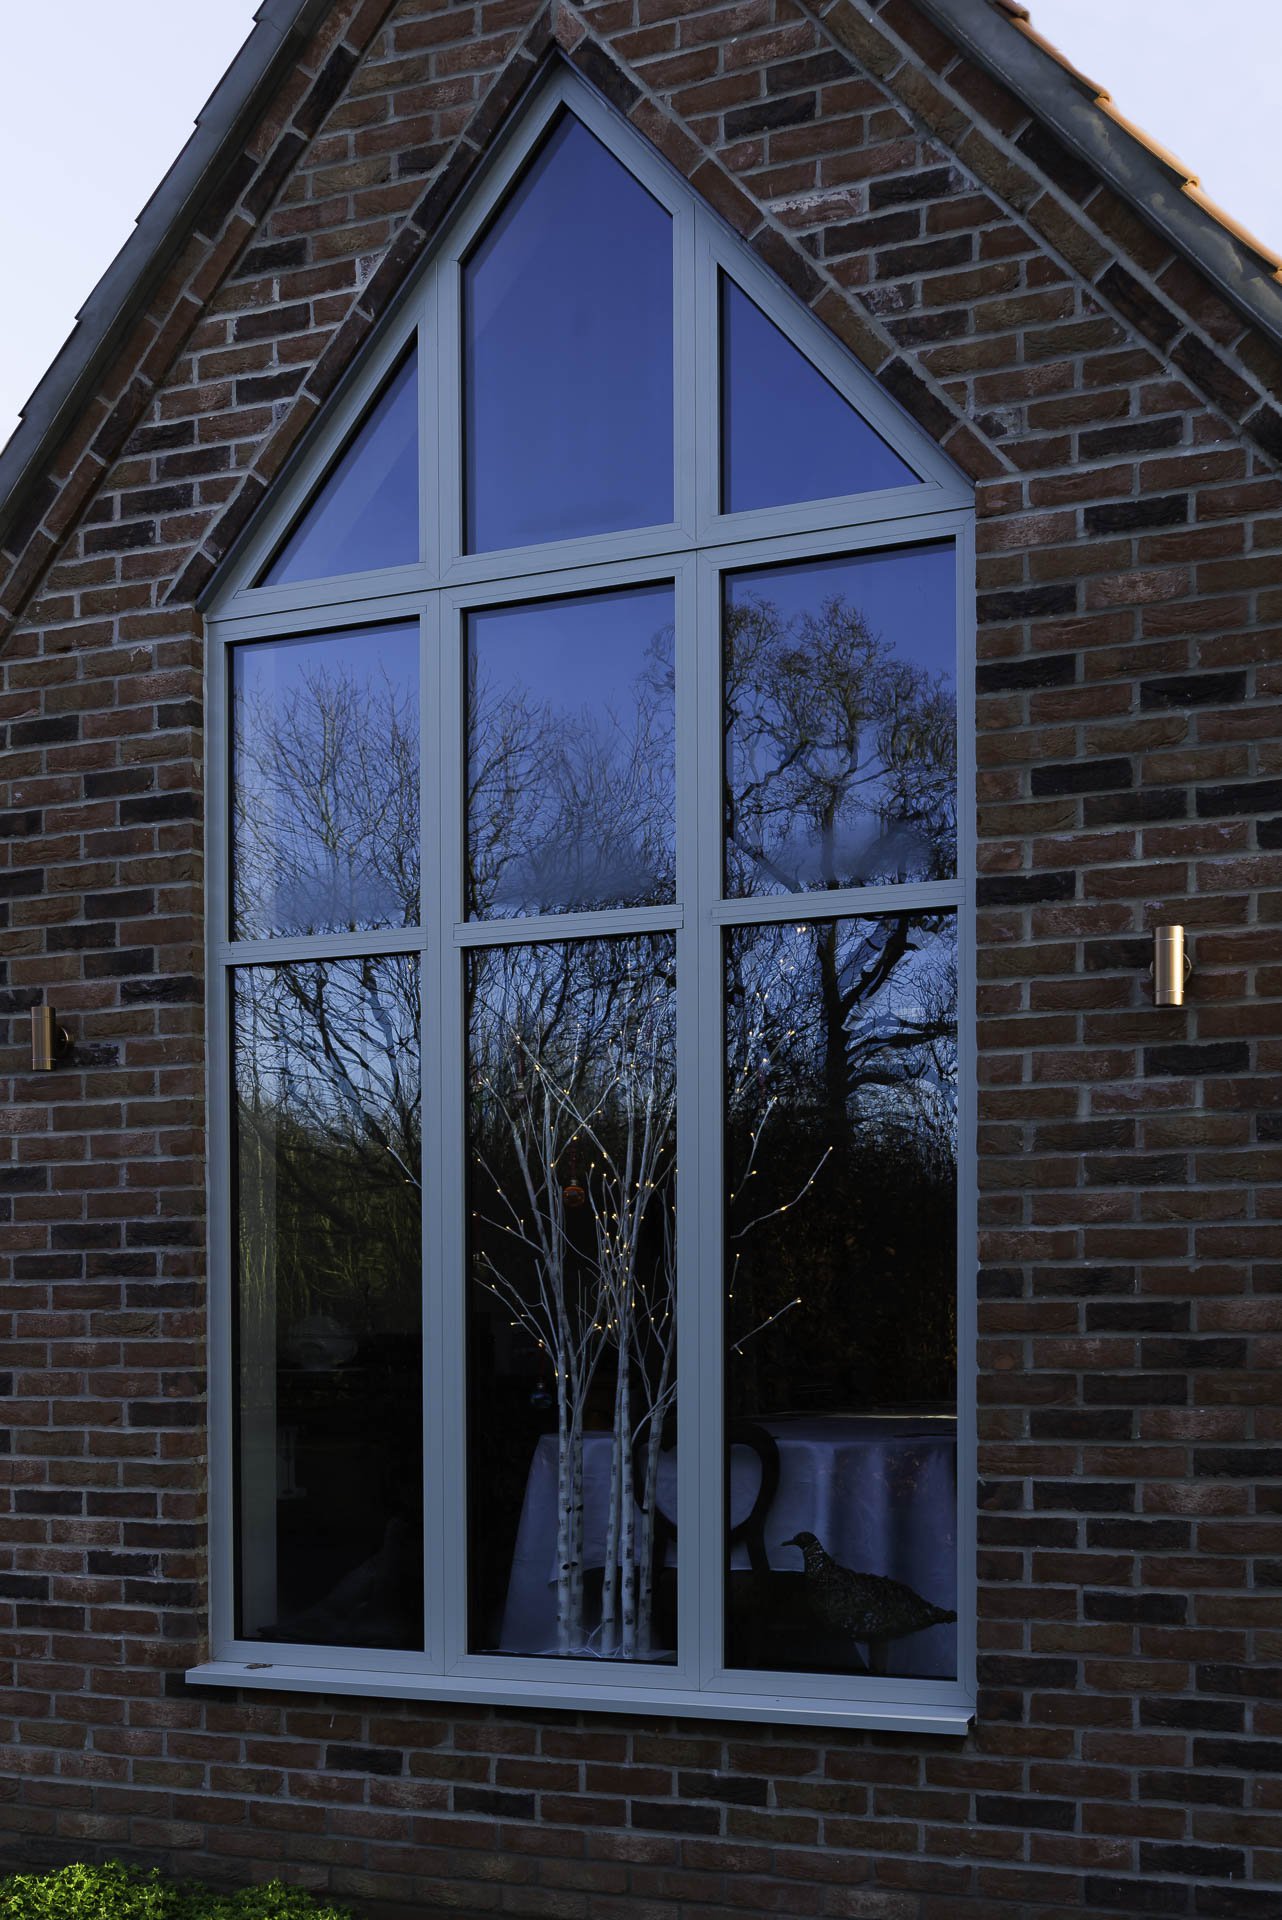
column 866, row 1607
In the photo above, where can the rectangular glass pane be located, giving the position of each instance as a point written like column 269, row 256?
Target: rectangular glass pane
column 571, row 783
column 841, row 1291
column 328, row 1250
column 325, row 782
column 572, row 1299
column 840, row 722
column 567, row 344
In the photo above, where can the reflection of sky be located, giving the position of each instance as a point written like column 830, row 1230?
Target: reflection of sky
column 788, row 435
column 269, row 669
column 908, row 596
column 568, row 348
column 287, row 878
column 586, row 823
column 366, row 513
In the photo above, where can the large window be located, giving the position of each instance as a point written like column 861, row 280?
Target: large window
column 589, row 964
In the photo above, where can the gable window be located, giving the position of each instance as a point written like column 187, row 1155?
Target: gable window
column 588, row 936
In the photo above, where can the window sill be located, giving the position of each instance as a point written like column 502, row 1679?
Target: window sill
column 949, row 1715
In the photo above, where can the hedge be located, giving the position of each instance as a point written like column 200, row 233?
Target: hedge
column 116, row 1892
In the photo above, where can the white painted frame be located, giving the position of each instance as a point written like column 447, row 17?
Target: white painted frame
column 693, row 551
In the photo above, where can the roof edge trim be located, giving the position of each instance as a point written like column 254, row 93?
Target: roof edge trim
column 100, row 324
column 1230, row 260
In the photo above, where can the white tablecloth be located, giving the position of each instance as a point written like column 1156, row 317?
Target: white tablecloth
column 879, row 1490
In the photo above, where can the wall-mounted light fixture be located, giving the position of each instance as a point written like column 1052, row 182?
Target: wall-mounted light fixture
column 50, row 1043
column 1171, row 966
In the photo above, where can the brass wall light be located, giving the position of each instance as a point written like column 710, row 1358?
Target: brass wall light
column 1171, row 966
column 50, row 1043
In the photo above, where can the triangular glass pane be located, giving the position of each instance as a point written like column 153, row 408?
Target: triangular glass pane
column 567, row 329
column 365, row 512
column 787, row 435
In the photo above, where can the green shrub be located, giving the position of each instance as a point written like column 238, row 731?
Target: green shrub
column 116, row 1892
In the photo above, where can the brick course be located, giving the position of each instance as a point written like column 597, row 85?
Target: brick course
column 1123, row 426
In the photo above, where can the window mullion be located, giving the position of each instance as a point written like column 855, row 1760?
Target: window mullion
column 690, row 1183
column 438, row 1440
column 447, row 333
column 443, row 1274
column 699, row 1021
column 704, row 346
column 687, row 424
column 429, row 760
column 433, row 427
column 706, row 1391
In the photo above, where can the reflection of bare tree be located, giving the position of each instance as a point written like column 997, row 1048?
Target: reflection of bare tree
column 840, row 756
column 327, row 1085
column 845, row 1031
column 326, row 828
column 328, row 1155
column 570, row 808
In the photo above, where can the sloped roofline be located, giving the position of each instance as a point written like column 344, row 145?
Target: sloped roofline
column 1001, row 37
column 995, row 33
column 280, row 28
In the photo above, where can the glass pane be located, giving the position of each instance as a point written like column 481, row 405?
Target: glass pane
column 786, row 432
column 325, row 824
column 365, row 514
column 571, row 773
column 328, row 1258
column 841, row 722
column 567, row 310
column 572, row 1299
column 841, row 1331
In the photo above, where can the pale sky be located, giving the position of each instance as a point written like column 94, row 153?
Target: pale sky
column 98, row 96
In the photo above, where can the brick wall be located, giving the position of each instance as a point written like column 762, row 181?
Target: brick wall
column 1116, row 417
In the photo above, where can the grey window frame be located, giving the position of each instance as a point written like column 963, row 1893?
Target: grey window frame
column 693, row 551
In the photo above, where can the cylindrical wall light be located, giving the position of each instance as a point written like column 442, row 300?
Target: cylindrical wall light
column 1171, row 966
column 50, row 1043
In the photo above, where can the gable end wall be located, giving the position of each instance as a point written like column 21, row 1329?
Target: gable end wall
column 1120, row 422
